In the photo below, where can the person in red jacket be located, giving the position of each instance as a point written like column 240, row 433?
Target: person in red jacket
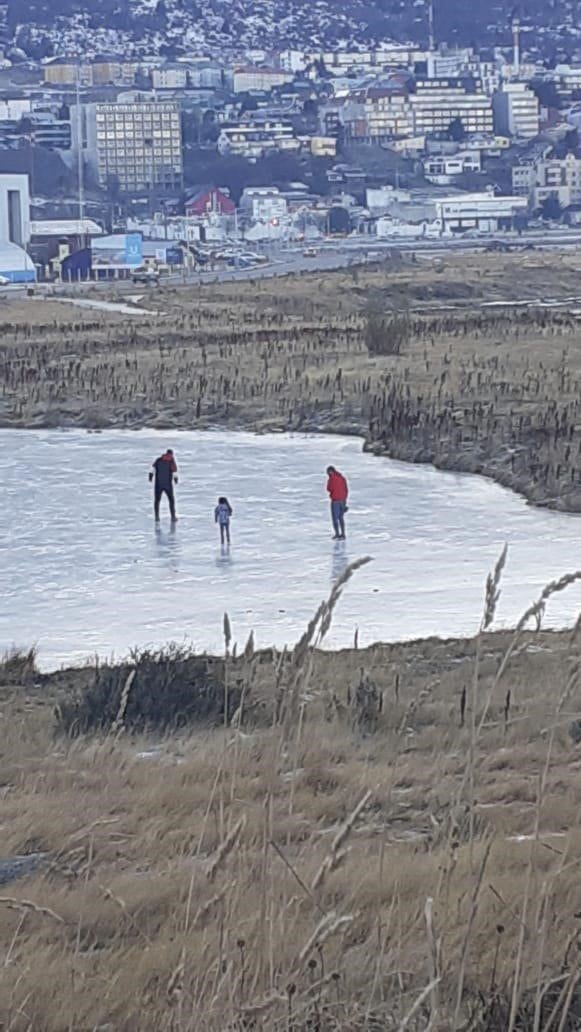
column 338, row 493
column 164, row 471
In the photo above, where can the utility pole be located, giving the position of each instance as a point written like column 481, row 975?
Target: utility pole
column 80, row 161
column 431, row 45
column 516, row 45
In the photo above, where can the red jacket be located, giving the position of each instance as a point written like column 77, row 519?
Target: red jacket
column 337, row 487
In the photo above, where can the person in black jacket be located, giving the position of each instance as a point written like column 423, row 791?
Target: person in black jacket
column 165, row 473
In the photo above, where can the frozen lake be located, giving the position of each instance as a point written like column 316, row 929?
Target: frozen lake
column 83, row 569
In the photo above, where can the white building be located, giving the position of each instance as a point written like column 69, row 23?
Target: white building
column 170, row 77
column 14, row 110
column 139, row 145
column 549, row 177
column 15, row 264
column 386, row 56
column 443, row 63
column 485, row 212
column 442, row 168
column 261, row 80
column 567, row 79
column 438, row 103
column 377, row 114
column 206, row 76
column 254, row 140
column 293, row 61
column 389, row 228
column 462, row 63
column 381, row 198
column 516, row 110
column 263, row 204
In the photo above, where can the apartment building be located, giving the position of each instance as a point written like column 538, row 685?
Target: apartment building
column 516, row 110
column 567, row 79
column 391, row 55
column 378, row 114
column 549, row 177
column 52, row 133
column 100, row 72
column 113, row 70
column 461, row 63
column 170, row 77
column 439, row 102
column 258, row 80
column 14, row 110
column 139, row 145
column 255, row 139
column 63, row 71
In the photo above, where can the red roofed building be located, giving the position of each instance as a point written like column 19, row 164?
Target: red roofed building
column 210, row 199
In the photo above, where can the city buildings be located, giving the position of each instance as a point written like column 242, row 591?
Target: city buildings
column 139, row 145
column 516, row 110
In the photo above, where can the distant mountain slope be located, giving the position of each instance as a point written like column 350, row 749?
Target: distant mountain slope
column 172, row 24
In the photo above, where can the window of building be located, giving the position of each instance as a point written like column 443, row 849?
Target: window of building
column 15, row 228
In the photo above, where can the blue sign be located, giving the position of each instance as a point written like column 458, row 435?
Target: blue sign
column 174, row 256
column 133, row 249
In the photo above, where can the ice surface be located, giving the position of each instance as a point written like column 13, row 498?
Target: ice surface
column 83, row 570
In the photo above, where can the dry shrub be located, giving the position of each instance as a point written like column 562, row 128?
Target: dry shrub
column 156, row 690
column 18, row 666
column 386, row 334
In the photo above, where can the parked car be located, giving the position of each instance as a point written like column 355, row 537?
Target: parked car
column 4, row 281
column 146, row 275
column 310, row 252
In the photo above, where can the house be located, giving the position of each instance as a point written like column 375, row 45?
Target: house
column 441, row 169
column 210, row 199
column 54, row 242
column 254, row 140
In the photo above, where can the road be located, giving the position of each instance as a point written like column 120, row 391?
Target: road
column 350, row 251
column 343, row 253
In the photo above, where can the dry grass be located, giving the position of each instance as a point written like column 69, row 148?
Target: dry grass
column 493, row 390
column 296, row 873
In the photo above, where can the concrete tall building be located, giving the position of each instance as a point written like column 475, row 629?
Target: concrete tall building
column 15, row 263
column 516, row 110
column 375, row 114
column 139, row 145
column 439, row 102
column 545, row 177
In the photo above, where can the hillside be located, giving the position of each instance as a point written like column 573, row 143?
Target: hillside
column 178, row 26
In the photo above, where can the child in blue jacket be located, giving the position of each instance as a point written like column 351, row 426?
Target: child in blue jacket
column 222, row 514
